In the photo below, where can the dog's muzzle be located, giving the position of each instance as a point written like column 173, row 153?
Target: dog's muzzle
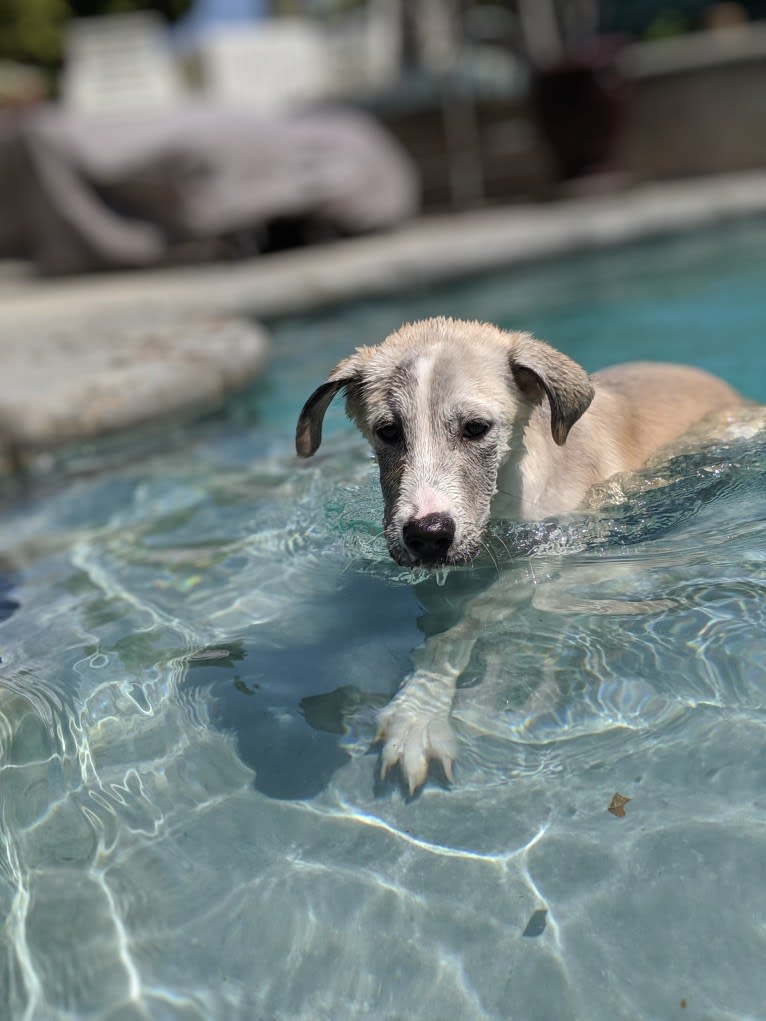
column 428, row 539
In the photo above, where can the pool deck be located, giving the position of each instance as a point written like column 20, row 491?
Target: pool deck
column 86, row 356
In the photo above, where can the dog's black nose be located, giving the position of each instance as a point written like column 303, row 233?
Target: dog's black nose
column 429, row 538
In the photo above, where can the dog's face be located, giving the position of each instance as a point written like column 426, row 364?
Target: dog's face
column 443, row 403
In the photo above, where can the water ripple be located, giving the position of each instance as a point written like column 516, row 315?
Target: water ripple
column 187, row 705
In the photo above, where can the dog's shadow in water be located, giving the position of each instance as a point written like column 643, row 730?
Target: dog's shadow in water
column 288, row 707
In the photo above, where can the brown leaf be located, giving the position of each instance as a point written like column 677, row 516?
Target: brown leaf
column 617, row 805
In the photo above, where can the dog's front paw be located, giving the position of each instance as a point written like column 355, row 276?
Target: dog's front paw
column 412, row 738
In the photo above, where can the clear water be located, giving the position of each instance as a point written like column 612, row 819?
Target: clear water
column 194, row 646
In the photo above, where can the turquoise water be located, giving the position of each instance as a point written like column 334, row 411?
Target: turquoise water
column 194, row 646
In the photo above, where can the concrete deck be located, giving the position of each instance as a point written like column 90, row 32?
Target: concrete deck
column 89, row 355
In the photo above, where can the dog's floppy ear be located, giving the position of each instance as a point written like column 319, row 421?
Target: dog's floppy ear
column 308, row 432
column 539, row 368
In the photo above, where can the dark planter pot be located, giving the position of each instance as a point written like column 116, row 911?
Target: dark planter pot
column 580, row 103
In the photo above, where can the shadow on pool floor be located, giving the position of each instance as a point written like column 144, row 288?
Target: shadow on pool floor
column 293, row 745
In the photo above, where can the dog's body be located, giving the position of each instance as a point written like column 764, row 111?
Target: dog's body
column 467, row 420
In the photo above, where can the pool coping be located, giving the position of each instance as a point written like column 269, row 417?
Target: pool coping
column 220, row 304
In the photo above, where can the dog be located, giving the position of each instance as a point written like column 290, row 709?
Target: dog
column 468, row 421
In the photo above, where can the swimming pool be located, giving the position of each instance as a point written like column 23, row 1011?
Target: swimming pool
column 194, row 647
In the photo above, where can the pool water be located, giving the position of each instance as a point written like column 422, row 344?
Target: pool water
column 194, row 646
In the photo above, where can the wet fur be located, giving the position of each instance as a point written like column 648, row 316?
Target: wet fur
column 555, row 430
column 554, row 433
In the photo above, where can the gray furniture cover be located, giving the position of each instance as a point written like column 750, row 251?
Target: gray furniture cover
column 83, row 193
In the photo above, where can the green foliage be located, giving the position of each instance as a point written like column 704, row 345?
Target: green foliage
column 654, row 19
column 666, row 25
column 31, row 30
column 171, row 9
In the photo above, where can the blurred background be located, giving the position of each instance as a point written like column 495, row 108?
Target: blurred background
column 138, row 134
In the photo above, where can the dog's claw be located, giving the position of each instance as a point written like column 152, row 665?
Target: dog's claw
column 412, row 740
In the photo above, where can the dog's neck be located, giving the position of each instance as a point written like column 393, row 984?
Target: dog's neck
column 536, row 480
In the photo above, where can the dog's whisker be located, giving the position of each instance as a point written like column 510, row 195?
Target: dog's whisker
column 503, row 543
column 487, row 548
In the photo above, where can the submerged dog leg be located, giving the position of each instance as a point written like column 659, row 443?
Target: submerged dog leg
column 415, row 726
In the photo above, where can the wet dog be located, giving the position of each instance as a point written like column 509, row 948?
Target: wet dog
column 469, row 421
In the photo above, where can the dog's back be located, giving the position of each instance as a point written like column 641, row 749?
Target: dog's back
column 649, row 405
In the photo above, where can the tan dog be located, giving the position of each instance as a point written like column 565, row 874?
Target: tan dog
column 467, row 421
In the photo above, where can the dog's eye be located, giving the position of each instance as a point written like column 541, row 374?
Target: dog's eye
column 475, row 428
column 389, row 433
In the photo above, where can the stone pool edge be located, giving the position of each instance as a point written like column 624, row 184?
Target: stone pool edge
column 90, row 355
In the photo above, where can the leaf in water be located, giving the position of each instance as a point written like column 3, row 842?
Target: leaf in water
column 233, row 652
column 536, row 923
column 205, row 654
column 617, row 805
column 243, row 688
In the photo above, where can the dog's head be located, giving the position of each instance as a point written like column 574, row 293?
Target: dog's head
column 443, row 403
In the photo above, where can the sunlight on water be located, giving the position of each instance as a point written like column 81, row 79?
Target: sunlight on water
column 194, row 650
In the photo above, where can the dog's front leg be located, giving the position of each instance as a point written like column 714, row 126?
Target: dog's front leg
column 415, row 725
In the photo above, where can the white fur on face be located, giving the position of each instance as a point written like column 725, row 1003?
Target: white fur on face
column 424, row 491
